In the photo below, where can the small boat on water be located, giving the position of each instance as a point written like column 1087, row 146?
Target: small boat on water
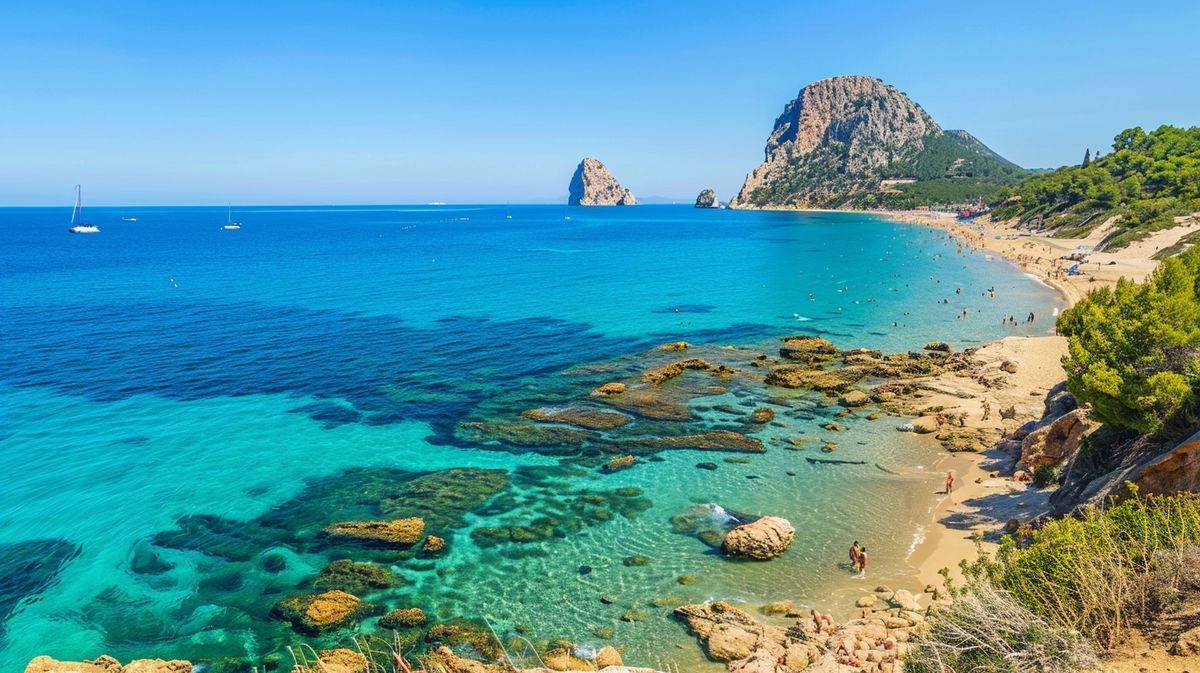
column 77, row 224
column 129, row 219
column 229, row 223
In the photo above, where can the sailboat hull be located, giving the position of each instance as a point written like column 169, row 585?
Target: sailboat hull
column 84, row 229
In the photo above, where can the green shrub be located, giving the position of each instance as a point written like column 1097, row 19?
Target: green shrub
column 1135, row 349
column 1046, row 475
column 1092, row 573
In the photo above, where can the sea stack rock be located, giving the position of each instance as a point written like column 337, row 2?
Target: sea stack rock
column 764, row 539
column 847, row 141
column 707, row 199
column 593, row 185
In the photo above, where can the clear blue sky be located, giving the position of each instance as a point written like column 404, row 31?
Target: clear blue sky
column 396, row 102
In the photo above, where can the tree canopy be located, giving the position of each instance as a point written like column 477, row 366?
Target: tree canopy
column 1135, row 349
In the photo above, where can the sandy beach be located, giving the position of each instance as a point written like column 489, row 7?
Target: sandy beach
column 985, row 497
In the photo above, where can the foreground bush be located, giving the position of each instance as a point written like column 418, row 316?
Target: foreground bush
column 1104, row 573
column 987, row 629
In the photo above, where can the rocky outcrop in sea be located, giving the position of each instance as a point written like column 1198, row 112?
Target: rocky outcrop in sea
column 707, row 199
column 593, row 185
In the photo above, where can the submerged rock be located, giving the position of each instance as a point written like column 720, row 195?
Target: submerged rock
column 824, row 380
column 403, row 618
column 670, row 371
column 433, row 544
column 764, row 539
column 613, row 388
column 593, row 185
column 584, row 417
column 354, row 577
column 27, row 568
column 318, row 613
column 524, row 434
column 713, row 440
column 398, row 532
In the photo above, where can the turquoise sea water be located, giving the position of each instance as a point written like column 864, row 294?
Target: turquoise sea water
column 167, row 368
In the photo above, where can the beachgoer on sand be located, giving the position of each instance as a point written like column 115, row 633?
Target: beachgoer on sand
column 949, row 482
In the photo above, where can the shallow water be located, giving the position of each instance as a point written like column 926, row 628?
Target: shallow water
column 167, row 368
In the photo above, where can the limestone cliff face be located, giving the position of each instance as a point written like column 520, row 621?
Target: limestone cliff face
column 707, row 199
column 836, row 142
column 593, row 185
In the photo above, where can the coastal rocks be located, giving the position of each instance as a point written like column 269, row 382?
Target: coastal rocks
column 318, row 613
column 807, row 349
column 729, row 633
column 854, row 398
column 670, row 371
column 433, row 544
column 1058, row 441
column 1177, row 470
column 675, row 346
column 106, row 664
column 593, row 185
column 608, row 656
column 925, row 425
column 764, row 539
column 584, row 417
column 607, row 389
column 404, row 532
column 829, row 381
column 707, row 199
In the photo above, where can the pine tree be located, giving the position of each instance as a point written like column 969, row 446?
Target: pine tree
column 1087, row 157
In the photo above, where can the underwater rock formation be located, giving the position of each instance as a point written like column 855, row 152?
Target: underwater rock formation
column 404, row 532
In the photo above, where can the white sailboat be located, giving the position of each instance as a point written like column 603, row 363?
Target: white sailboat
column 77, row 225
column 229, row 223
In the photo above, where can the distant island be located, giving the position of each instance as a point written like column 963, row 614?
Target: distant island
column 593, row 185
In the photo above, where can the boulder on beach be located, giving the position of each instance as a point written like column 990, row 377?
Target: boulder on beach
column 764, row 539
column 854, row 398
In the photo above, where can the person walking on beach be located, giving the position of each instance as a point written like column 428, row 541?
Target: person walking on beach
column 949, row 482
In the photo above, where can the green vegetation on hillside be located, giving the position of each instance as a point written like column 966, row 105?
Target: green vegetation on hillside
column 1148, row 180
column 954, row 168
column 1135, row 349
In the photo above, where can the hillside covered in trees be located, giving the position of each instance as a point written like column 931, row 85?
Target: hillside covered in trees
column 1145, row 182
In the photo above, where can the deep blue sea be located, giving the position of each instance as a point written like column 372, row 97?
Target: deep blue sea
column 178, row 402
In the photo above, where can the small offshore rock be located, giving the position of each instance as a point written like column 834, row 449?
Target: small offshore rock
column 764, row 539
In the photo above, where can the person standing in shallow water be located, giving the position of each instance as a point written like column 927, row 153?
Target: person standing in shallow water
column 855, row 553
column 862, row 561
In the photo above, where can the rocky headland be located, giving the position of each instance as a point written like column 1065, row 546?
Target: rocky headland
column 846, row 141
column 593, row 185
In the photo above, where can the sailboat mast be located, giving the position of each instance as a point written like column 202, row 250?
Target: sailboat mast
column 77, row 211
